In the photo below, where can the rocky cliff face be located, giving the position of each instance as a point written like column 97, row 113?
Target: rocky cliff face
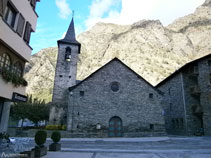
column 40, row 73
column 149, row 48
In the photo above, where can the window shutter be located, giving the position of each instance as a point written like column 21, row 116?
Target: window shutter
column 1, row 8
column 33, row 3
column 3, row 5
column 20, row 26
column 27, row 33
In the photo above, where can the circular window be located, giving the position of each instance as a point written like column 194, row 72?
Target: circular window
column 114, row 86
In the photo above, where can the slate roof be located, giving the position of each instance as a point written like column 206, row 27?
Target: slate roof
column 70, row 35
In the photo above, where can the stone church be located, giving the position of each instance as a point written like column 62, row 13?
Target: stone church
column 115, row 101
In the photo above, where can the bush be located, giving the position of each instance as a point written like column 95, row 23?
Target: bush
column 9, row 76
column 5, row 136
column 56, row 127
column 56, row 136
column 64, row 127
column 40, row 137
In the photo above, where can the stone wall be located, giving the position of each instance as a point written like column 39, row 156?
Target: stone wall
column 200, row 97
column 190, row 97
column 137, row 103
column 174, row 105
column 16, row 132
column 65, row 77
column 205, row 86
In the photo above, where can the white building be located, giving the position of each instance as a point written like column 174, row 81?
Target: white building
column 17, row 20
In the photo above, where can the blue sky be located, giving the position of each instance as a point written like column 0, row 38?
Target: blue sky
column 55, row 15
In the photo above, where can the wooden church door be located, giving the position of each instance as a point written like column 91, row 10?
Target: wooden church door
column 115, row 127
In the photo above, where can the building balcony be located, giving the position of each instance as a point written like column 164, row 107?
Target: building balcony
column 7, row 89
column 11, row 84
column 195, row 90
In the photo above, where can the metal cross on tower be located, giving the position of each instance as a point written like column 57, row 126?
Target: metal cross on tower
column 73, row 12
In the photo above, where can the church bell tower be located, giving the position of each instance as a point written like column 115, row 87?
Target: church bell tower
column 65, row 74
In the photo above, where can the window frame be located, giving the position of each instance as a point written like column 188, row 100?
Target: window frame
column 27, row 32
column 151, row 95
column 33, row 3
column 5, row 65
column 173, row 123
column 12, row 8
column 181, row 120
column 15, row 70
column 81, row 93
column 3, row 5
column 21, row 33
column 115, row 86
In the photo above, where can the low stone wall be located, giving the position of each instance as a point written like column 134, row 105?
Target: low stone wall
column 17, row 132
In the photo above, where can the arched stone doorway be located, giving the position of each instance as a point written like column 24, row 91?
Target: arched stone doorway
column 115, row 127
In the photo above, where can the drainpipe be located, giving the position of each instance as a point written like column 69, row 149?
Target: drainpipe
column 184, row 103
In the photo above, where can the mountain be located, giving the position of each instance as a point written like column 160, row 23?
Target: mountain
column 149, row 48
column 39, row 73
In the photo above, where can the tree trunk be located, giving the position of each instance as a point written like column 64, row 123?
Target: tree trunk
column 22, row 123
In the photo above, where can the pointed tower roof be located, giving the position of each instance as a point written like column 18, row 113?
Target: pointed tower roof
column 70, row 35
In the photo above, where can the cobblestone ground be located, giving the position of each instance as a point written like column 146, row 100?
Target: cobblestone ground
column 168, row 147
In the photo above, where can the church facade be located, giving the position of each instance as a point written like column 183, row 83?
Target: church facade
column 115, row 101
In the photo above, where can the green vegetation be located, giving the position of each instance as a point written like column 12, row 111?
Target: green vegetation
column 40, row 138
column 5, row 136
column 9, row 76
column 56, row 136
column 44, row 94
column 35, row 110
column 56, row 127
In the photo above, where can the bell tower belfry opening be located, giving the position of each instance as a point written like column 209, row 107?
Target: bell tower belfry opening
column 65, row 74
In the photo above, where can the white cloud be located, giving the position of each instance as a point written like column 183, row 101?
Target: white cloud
column 98, row 9
column 64, row 10
column 164, row 10
column 134, row 10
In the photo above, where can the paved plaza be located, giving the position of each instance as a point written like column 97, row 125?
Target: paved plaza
column 146, row 147
column 151, row 147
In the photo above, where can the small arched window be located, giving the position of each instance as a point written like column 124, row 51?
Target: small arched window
column 68, row 54
column 17, row 69
column 5, row 61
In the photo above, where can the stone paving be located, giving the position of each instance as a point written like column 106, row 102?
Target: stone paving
column 153, row 147
column 147, row 147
